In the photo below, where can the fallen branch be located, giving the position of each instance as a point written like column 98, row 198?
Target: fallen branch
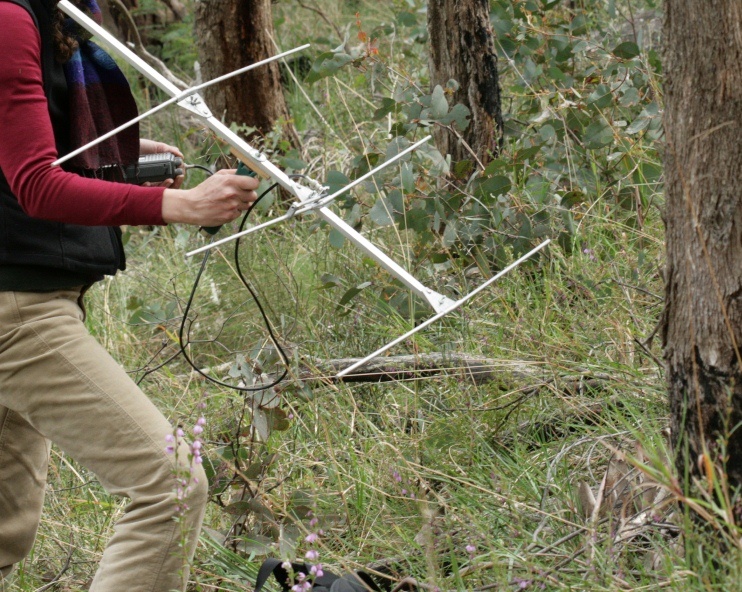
column 478, row 370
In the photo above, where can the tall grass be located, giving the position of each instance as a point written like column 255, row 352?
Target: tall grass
column 555, row 475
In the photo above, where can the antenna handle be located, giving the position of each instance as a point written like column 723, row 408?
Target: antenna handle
column 209, row 231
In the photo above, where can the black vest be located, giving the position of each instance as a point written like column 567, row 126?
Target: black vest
column 90, row 250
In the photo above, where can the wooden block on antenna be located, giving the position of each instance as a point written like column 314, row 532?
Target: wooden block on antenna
column 244, row 160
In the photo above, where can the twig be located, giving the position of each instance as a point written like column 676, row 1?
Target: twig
column 324, row 17
column 55, row 580
column 153, row 61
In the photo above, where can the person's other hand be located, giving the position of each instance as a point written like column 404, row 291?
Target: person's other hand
column 151, row 147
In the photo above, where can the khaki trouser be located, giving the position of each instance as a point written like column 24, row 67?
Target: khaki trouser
column 58, row 384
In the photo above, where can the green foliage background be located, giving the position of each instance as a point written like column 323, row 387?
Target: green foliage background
column 461, row 485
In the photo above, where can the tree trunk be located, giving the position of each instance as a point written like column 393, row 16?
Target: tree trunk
column 232, row 34
column 702, row 329
column 462, row 48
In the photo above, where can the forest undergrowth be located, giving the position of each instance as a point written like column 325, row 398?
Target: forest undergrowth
column 546, row 469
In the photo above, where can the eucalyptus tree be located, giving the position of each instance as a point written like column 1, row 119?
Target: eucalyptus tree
column 462, row 49
column 702, row 331
column 231, row 34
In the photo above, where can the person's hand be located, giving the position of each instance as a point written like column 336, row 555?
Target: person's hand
column 151, row 147
column 219, row 199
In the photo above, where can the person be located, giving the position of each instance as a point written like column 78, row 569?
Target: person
column 58, row 235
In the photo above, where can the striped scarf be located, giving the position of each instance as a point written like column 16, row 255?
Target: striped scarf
column 100, row 100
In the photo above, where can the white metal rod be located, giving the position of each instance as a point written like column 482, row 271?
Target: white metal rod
column 176, row 99
column 82, row 19
column 436, row 301
column 237, row 235
column 308, row 205
column 258, row 162
column 441, row 314
column 372, row 172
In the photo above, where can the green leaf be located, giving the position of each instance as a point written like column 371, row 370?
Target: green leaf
column 488, row 190
column 260, row 423
column 330, row 281
column 336, row 238
column 459, row 115
column 438, row 103
column 278, row 420
column 648, row 115
column 450, row 234
column 407, row 178
column 256, row 544
column 648, row 172
column 626, row 50
column 396, row 146
column 547, row 133
column 418, row 220
column 638, row 124
column 597, row 135
column 350, row 294
column 387, row 106
column 336, row 181
column 406, row 19
column 387, row 208
column 327, row 64
column 601, row 97
column 381, row 212
column 292, row 161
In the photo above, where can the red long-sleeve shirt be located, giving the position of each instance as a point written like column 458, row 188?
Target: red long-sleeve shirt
column 27, row 146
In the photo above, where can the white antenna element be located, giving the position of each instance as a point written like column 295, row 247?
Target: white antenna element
column 441, row 314
column 257, row 161
column 176, row 99
column 319, row 201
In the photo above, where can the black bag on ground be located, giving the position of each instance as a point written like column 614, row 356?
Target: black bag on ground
column 358, row 581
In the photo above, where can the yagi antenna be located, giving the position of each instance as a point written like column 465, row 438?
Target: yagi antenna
column 306, row 199
column 255, row 160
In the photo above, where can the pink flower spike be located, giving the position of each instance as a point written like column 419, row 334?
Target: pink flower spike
column 179, row 432
column 198, row 430
column 311, row 537
column 169, row 438
column 201, row 421
column 169, row 449
column 312, row 555
column 470, row 549
column 286, row 565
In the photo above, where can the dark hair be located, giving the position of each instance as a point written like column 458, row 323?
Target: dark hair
column 64, row 44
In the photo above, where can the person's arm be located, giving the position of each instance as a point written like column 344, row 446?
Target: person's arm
column 27, row 149
column 27, row 146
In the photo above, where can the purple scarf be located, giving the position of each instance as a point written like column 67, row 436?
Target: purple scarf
column 100, row 100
